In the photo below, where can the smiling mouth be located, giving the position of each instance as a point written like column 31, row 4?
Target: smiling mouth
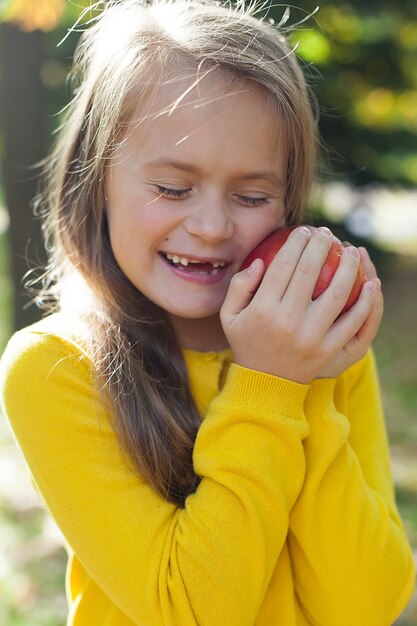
column 194, row 265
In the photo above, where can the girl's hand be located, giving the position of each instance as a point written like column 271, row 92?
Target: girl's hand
column 358, row 345
column 273, row 326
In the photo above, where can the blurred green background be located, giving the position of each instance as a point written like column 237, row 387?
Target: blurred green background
column 361, row 57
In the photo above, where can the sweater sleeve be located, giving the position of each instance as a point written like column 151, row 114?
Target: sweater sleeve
column 208, row 563
column 352, row 562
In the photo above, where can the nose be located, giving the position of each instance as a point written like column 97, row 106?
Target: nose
column 210, row 221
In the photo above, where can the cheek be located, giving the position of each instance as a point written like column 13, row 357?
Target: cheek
column 142, row 232
column 262, row 225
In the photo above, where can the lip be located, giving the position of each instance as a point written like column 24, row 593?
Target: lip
column 202, row 278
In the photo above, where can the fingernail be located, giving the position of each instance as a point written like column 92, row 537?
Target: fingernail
column 325, row 230
column 304, row 230
column 352, row 251
column 252, row 266
column 371, row 287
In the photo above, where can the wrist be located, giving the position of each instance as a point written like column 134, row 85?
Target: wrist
column 291, row 375
column 264, row 391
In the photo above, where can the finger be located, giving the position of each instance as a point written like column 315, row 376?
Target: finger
column 368, row 266
column 367, row 332
column 359, row 344
column 349, row 324
column 242, row 288
column 282, row 267
column 307, row 271
column 334, row 298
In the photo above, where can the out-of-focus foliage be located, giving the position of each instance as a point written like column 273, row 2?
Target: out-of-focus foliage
column 44, row 15
column 366, row 55
column 34, row 14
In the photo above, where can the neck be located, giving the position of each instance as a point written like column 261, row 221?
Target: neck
column 204, row 335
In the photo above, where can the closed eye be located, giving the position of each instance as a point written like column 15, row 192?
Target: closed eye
column 250, row 201
column 167, row 192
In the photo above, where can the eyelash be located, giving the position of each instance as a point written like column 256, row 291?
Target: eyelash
column 172, row 193
column 177, row 194
column 253, row 201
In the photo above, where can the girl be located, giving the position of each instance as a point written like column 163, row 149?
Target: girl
column 210, row 441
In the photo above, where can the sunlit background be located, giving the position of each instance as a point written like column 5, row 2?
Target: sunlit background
column 362, row 58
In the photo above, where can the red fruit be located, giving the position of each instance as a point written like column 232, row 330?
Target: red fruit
column 268, row 248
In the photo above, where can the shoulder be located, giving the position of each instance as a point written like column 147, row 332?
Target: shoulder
column 35, row 352
column 52, row 400
column 55, row 330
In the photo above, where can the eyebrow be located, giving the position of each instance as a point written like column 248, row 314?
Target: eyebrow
column 192, row 169
column 164, row 162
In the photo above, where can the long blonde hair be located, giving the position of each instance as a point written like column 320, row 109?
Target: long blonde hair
column 121, row 61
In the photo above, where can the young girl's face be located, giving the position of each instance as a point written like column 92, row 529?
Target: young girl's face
column 193, row 191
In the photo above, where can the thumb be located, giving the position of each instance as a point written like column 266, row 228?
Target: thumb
column 242, row 288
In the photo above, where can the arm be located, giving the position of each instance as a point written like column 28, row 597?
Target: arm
column 351, row 559
column 209, row 563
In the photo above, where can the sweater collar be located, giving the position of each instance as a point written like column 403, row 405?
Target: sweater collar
column 207, row 372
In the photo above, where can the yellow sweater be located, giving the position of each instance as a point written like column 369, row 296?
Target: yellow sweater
column 293, row 523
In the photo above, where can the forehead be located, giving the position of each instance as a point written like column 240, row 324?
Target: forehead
column 188, row 103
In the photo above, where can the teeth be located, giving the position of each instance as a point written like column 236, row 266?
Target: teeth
column 184, row 261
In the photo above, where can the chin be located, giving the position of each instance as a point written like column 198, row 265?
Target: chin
column 195, row 313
